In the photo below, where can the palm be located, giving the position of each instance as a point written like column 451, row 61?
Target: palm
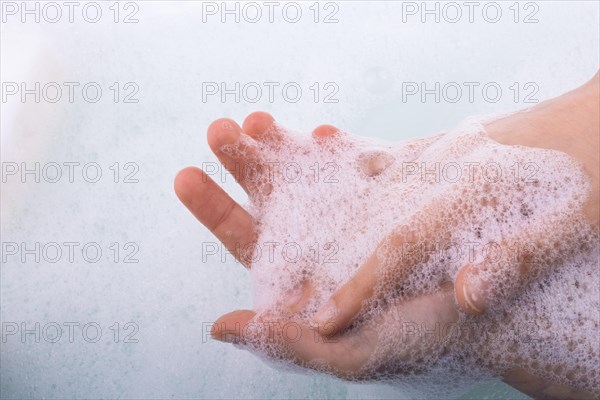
column 344, row 355
column 371, row 349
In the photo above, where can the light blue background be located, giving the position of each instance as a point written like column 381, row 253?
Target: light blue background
column 171, row 292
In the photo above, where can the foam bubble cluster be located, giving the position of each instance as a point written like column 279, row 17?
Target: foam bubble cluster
column 323, row 206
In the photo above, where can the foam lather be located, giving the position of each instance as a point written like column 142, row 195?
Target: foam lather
column 323, row 206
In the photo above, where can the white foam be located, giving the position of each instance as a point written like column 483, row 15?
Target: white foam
column 321, row 214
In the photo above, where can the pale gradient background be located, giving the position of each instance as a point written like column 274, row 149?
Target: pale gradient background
column 169, row 53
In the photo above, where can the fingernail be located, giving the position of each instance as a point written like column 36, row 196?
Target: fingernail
column 325, row 314
column 472, row 296
column 229, row 338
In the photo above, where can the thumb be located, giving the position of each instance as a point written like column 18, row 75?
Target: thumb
column 230, row 327
column 468, row 290
column 480, row 286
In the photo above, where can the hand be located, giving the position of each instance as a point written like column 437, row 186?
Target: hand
column 350, row 355
column 372, row 348
column 568, row 124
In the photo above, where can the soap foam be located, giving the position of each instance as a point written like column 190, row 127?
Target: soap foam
column 324, row 205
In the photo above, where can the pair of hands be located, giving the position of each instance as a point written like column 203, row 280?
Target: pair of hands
column 349, row 354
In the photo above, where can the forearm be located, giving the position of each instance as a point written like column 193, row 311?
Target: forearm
column 540, row 388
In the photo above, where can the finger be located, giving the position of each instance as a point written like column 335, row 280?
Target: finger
column 504, row 271
column 298, row 298
column 325, row 132
column 226, row 140
column 229, row 222
column 332, row 140
column 347, row 301
column 390, row 259
column 228, row 328
column 373, row 163
column 261, row 126
column 291, row 341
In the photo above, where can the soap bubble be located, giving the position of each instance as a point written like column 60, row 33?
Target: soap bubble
column 317, row 229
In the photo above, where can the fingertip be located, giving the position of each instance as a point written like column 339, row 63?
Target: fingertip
column 326, row 318
column 325, row 131
column 298, row 298
column 328, row 329
column 216, row 331
column 257, row 123
column 230, row 326
column 347, row 302
column 374, row 163
column 467, row 291
column 185, row 180
column 221, row 132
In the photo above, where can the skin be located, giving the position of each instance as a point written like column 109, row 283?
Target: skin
column 569, row 123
